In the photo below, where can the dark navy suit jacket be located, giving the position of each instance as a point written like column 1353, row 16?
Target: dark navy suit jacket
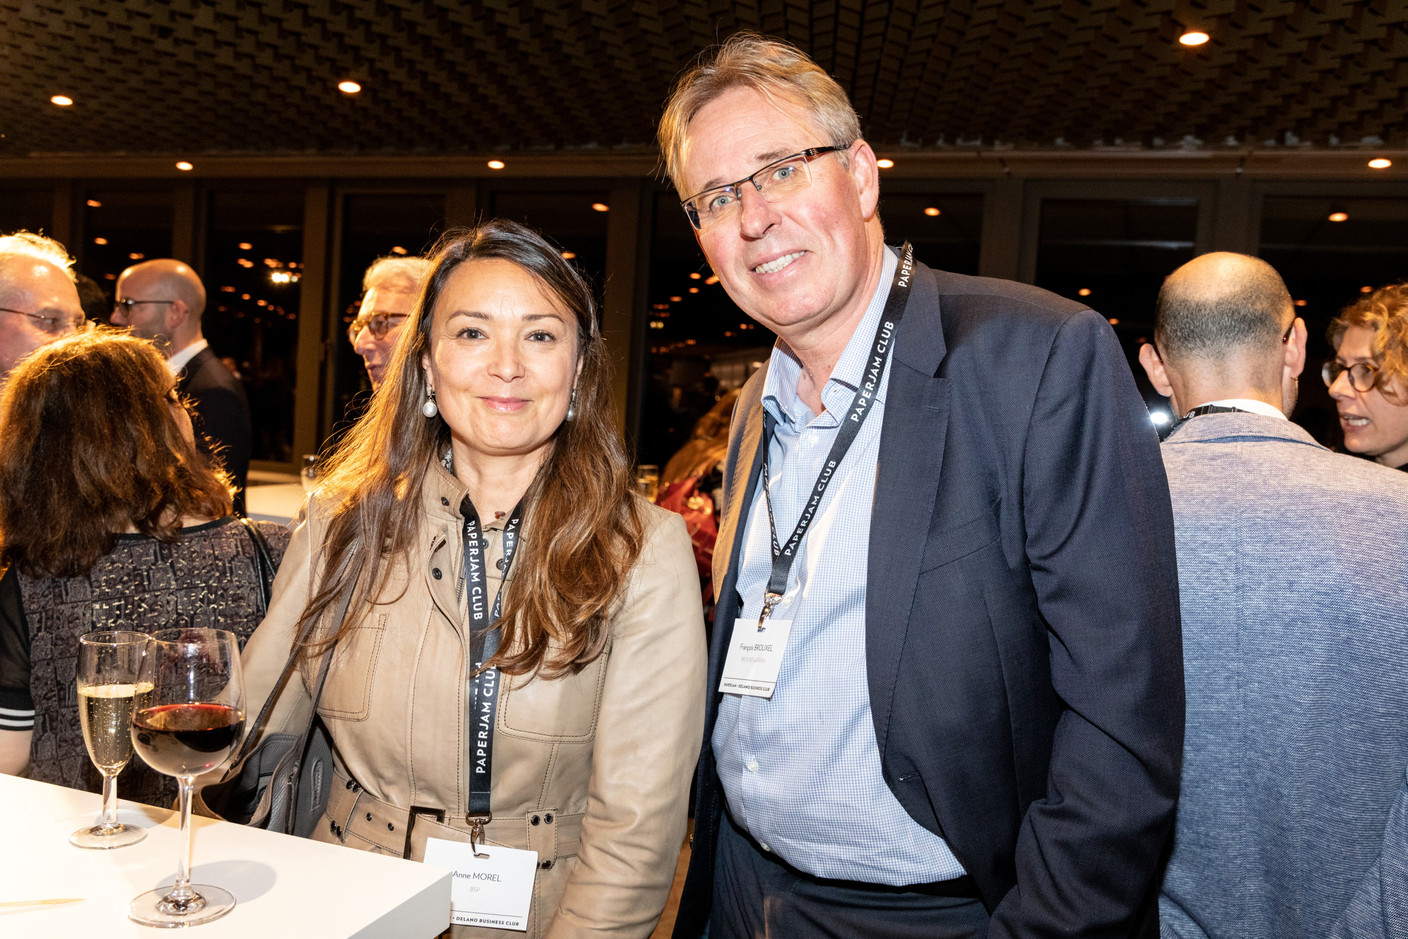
column 1022, row 631
column 221, row 415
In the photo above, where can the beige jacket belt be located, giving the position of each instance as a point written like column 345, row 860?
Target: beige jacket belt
column 353, row 813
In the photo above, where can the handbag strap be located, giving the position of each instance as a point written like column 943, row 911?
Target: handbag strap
column 258, row 726
column 263, row 561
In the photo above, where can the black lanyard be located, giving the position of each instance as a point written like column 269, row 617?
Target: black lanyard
column 484, row 642
column 782, row 557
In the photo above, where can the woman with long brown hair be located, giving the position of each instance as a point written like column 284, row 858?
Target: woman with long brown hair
column 522, row 660
column 110, row 519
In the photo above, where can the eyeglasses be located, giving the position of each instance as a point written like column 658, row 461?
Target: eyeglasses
column 53, row 325
column 379, row 323
column 774, row 182
column 1362, row 376
column 126, row 305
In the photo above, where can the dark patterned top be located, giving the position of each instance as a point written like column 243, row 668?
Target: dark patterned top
column 207, row 579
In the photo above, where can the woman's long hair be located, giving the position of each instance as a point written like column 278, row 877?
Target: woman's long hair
column 88, row 447
column 582, row 529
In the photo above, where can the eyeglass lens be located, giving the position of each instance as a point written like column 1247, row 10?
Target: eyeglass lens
column 1362, row 375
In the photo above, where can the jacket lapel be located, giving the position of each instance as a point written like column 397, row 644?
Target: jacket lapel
column 906, row 488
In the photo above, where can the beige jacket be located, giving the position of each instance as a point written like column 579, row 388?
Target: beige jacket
column 592, row 771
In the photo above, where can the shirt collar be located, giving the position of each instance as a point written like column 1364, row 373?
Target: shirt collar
column 780, row 396
column 182, row 358
column 1249, row 404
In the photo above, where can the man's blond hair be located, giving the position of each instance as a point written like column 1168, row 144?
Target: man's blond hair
column 777, row 70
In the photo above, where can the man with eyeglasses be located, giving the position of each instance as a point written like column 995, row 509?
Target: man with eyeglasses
column 946, row 695
column 38, row 299
column 163, row 300
column 389, row 291
column 1294, row 589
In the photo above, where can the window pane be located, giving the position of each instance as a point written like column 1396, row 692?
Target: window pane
column 1114, row 255
column 567, row 220
column 253, row 265
column 27, row 209
column 1327, row 264
column 946, row 229
column 123, row 227
column 699, row 343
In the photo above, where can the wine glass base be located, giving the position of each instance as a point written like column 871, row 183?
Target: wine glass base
column 154, row 909
column 100, row 838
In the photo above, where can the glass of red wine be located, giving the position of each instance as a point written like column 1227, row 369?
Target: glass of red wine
column 192, row 718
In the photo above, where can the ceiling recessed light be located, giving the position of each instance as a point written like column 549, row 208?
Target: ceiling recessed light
column 1380, row 163
column 94, row 204
column 63, row 101
column 1339, row 216
column 1084, row 292
column 349, row 87
column 601, row 207
column 885, row 163
column 932, row 212
column 184, row 167
column 1194, row 37
column 496, row 164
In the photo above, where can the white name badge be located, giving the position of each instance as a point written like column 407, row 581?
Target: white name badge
column 755, row 656
column 491, row 891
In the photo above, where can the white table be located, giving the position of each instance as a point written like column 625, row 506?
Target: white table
column 283, row 886
column 274, row 502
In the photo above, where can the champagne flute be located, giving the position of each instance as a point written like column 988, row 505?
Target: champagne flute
column 192, row 719
column 108, row 685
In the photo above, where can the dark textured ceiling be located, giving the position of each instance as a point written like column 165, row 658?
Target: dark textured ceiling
column 259, row 76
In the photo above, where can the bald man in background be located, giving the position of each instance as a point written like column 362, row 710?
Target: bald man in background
column 162, row 300
column 1293, row 585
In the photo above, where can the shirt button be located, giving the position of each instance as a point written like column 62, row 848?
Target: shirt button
column 752, row 766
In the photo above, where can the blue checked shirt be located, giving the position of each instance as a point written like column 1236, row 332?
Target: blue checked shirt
column 802, row 770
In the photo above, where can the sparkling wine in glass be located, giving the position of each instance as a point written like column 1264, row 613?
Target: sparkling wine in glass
column 109, row 666
column 191, row 720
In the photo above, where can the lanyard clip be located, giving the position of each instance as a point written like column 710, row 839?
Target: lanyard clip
column 476, row 833
column 770, row 601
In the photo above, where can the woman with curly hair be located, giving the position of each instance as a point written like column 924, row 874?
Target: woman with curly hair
column 1368, row 377
column 522, row 660
column 110, row 519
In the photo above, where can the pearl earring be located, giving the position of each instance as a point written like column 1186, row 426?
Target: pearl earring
column 429, row 408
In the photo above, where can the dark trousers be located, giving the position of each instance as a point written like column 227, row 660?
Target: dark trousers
column 758, row 896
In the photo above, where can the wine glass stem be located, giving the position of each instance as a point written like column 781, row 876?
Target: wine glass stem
column 109, row 822
column 181, row 890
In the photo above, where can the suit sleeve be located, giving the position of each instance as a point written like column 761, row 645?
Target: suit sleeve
column 220, row 403
column 647, row 743
column 1380, row 909
column 1100, row 545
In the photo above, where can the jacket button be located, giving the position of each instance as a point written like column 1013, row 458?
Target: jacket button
column 546, row 865
column 534, row 820
column 444, row 501
column 390, row 827
column 435, row 572
column 369, row 816
column 499, row 563
column 548, row 818
column 332, row 826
